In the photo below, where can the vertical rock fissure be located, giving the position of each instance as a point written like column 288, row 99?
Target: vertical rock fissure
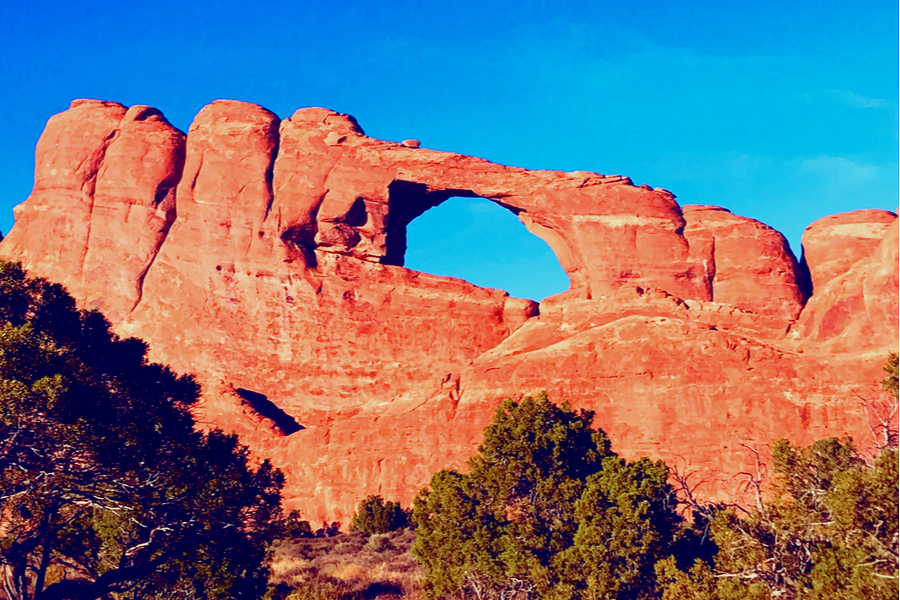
column 91, row 184
column 143, row 274
column 171, row 185
column 270, row 176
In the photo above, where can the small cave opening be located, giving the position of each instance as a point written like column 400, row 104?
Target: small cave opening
column 456, row 233
column 269, row 410
column 301, row 238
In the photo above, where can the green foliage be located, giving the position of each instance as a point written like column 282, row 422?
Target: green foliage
column 105, row 485
column 374, row 515
column 697, row 584
column 860, row 560
column 546, row 511
column 294, row 527
column 626, row 523
column 891, row 368
column 829, row 531
column 328, row 530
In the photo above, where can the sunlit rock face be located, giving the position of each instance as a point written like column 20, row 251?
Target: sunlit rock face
column 852, row 262
column 266, row 256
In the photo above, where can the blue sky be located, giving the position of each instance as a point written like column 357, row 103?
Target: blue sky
column 784, row 112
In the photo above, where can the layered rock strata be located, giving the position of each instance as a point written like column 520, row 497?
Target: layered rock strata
column 266, row 256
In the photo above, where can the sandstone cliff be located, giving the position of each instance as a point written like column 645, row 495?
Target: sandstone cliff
column 266, row 257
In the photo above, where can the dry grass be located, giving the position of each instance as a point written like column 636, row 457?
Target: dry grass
column 347, row 567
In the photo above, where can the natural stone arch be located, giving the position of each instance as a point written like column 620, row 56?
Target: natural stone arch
column 408, row 200
column 484, row 243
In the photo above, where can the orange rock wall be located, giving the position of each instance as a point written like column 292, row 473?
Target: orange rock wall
column 266, row 255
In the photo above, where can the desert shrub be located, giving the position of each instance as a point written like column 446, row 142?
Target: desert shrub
column 828, row 530
column 328, row 530
column 374, row 515
column 546, row 510
column 891, row 367
column 348, row 567
column 350, row 545
column 379, row 543
column 294, row 527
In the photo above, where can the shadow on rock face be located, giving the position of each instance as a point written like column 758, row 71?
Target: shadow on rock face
column 265, row 407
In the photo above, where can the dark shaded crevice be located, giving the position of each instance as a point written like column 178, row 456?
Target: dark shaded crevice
column 162, row 191
column 357, row 215
column 170, row 183
column 340, row 233
column 302, row 239
column 164, row 199
column 267, row 409
column 148, row 112
column 270, row 173
column 804, row 278
column 196, row 175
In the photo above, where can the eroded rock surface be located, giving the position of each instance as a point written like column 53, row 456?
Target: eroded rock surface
column 852, row 258
column 747, row 264
column 266, row 256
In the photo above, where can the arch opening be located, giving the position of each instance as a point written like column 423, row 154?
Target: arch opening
column 478, row 240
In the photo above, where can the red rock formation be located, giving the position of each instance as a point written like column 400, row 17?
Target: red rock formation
column 105, row 176
column 747, row 264
column 274, row 272
column 852, row 259
column 832, row 245
column 57, row 216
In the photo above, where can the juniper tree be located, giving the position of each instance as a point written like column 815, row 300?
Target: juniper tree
column 374, row 515
column 829, row 531
column 543, row 495
column 105, row 485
